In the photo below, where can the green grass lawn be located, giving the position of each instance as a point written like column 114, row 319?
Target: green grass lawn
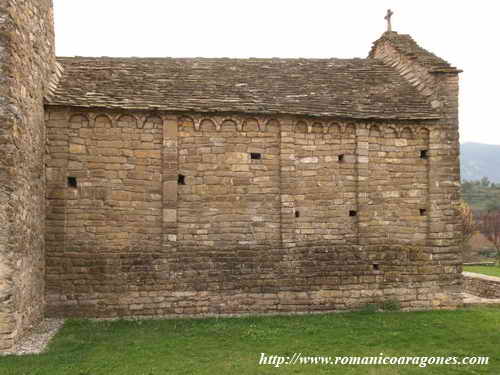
column 485, row 270
column 234, row 345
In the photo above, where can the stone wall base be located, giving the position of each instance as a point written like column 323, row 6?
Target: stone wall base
column 209, row 303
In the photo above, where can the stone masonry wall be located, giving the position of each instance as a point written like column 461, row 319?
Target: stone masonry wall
column 482, row 285
column 229, row 199
column 440, row 86
column 104, row 232
column 201, row 214
column 325, row 183
column 27, row 64
column 152, row 213
column 397, row 206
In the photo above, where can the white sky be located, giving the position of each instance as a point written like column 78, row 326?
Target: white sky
column 465, row 33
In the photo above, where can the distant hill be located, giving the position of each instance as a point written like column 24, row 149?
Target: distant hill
column 478, row 160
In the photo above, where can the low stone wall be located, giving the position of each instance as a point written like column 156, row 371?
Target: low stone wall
column 482, row 285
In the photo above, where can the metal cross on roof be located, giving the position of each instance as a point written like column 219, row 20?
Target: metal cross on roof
column 388, row 18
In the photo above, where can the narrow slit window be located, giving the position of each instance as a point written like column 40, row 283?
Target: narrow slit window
column 353, row 213
column 181, row 179
column 424, row 154
column 255, row 155
column 340, row 158
column 297, row 213
column 423, row 212
column 72, row 182
column 376, row 267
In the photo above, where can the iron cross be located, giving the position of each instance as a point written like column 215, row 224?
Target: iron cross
column 388, row 18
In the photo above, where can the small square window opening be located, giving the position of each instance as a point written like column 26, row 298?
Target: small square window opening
column 72, row 182
column 181, row 179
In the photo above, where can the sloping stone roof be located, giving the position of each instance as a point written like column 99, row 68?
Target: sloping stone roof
column 354, row 88
column 405, row 45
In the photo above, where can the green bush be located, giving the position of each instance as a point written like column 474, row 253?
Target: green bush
column 370, row 308
column 391, row 305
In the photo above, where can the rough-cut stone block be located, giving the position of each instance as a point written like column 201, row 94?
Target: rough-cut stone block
column 170, row 216
column 77, row 149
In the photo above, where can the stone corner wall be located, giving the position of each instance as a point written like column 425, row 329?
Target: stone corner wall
column 441, row 90
column 27, row 61
column 481, row 285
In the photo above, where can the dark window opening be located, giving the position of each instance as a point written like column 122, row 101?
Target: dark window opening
column 376, row 267
column 423, row 154
column 423, row 212
column 297, row 213
column 341, row 158
column 255, row 155
column 72, row 183
column 181, row 179
column 353, row 213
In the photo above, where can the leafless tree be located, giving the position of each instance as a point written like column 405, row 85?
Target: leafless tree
column 469, row 227
column 468, row 222
column 489, row 226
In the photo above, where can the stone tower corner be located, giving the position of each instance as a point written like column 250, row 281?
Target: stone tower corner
column 27, row 63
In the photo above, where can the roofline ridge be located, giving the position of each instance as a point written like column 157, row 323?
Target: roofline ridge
column 434, row 63
column 170, row 58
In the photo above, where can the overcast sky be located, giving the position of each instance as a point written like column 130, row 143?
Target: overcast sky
column 465, row 33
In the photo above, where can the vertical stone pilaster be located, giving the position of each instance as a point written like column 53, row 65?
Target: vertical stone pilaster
column 170, row 177
column 57, row 160
column 362, row 182
column 427, row 142
column 287, row 182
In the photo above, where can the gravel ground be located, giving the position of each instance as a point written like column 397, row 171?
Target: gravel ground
column 37, row 339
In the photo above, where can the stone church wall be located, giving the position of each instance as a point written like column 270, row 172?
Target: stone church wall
column 397, row 207
column 231, row 195
column 440, row 86
column 161, row 214
column 27, row 64
column 325, row 183
column 130, row 213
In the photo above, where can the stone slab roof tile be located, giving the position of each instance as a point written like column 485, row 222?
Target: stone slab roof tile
column 354, row 88
column 405, row 44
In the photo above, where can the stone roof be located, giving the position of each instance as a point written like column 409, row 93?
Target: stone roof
column 351, row 88
column 405, row 45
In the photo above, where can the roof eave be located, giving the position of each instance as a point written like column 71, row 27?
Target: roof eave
column 367, row 117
